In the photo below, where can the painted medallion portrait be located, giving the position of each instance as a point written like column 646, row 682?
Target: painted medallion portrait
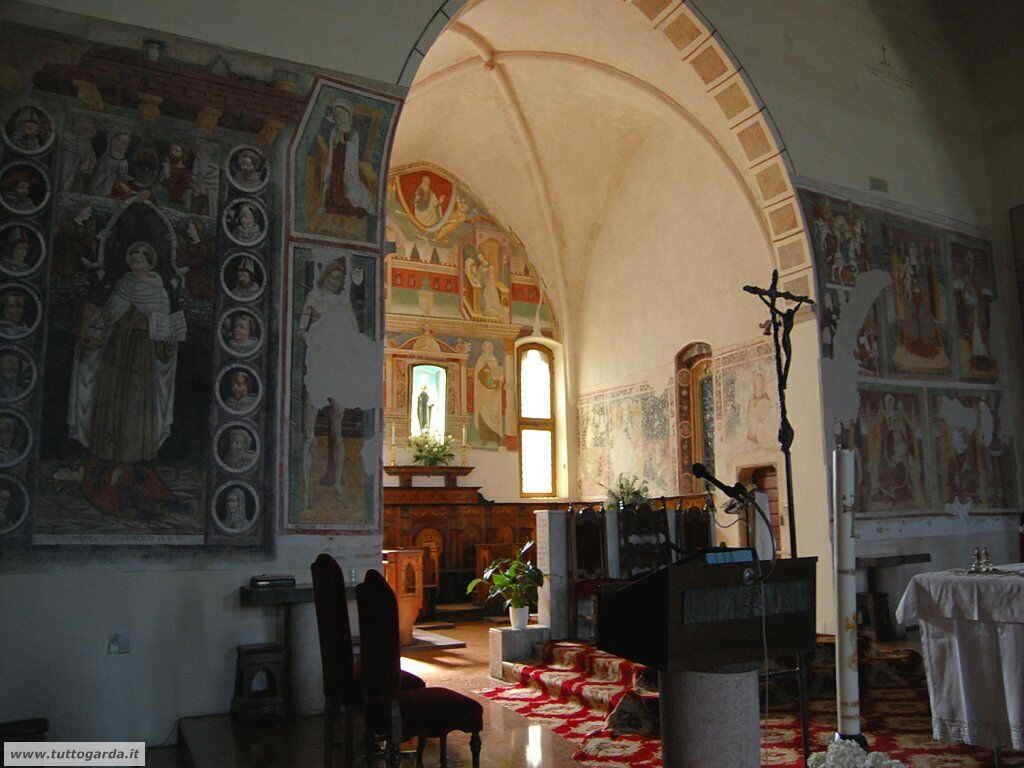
column 243, row 276
column 19, row 311
column 241, row 333
column 15, row 438
column 22, row 249
column 236, row 508
column 238, row 447
column 24, row 188
column 245, row 222
column 17, row 374
column 29, row 131
column 13, row 504
column 239, row 388
column 248, row 169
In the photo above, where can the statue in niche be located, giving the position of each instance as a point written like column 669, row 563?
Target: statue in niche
column 424, row 409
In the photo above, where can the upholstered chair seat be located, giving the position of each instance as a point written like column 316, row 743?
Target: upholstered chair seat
column 404, row 714
column 343, row 691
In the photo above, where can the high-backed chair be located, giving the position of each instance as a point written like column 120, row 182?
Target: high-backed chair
column 588, row 567
column 343, row 695
column 643, row 531
column 398, row 714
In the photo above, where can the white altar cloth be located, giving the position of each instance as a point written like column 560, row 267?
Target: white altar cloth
column 972, row 637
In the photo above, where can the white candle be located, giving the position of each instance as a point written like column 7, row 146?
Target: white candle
column 844, row 562
column 464, row 434
column 393, row 440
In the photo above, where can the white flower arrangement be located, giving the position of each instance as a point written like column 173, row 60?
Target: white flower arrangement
column 848, row 754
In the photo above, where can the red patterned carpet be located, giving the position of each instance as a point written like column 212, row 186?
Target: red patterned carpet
column 578, row 685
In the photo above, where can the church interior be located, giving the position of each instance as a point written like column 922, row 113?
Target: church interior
column 513, row 383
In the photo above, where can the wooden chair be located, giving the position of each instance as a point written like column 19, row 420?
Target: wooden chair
column 403, row 714
column 643, row 531
column 588, row 565
column 343, row 695
column 694, row 528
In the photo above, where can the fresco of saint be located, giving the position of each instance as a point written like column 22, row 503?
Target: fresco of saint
column 121, row 402
column 486, row 294
column 974, row 294
column 16, row 376
column 335, row 164
column 23, row 189
column 18, row 312
column 919, row 313
column 76, row 245
column 890, row 439
column 17, row 257
column 30, row 131
column 328, row 325
column 488, row 382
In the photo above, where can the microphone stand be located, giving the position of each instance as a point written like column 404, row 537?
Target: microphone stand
column 782, row 327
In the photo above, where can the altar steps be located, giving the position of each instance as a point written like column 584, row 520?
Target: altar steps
column 597, row 680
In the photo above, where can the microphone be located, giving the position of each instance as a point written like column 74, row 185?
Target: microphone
column 737, row 491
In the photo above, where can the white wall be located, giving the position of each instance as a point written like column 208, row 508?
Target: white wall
column 847, row 110
column 184, row 620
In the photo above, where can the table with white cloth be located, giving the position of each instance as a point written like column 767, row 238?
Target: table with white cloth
column 972, row 637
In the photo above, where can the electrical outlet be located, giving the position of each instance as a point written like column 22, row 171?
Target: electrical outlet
column 119, row 643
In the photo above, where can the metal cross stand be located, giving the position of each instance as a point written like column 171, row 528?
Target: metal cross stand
column 782, row 327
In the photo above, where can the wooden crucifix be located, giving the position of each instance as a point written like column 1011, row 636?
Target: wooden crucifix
column 781, row 327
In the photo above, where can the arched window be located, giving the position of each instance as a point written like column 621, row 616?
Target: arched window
column 536, row 420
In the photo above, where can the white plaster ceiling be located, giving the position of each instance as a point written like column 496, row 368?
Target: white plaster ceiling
column 546, row 108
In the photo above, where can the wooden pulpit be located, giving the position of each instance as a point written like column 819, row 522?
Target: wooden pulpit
column 403, row 570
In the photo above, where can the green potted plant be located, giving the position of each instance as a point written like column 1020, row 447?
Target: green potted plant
column 629, row 489
column 431, row 451
column 515, row 579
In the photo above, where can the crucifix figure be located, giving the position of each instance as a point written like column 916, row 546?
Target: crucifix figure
column 781, row 327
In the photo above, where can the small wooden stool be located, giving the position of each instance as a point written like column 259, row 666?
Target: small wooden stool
column 267, row 663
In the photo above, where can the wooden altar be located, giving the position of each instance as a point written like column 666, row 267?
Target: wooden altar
column 406, row 472
column 454, row 525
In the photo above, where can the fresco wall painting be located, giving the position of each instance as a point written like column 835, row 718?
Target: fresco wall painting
column 335, row 428
column 931, row 428
column 460, row 289
column 335, row 416
column 627, row 430
column 141, row 288
column 746, row 401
